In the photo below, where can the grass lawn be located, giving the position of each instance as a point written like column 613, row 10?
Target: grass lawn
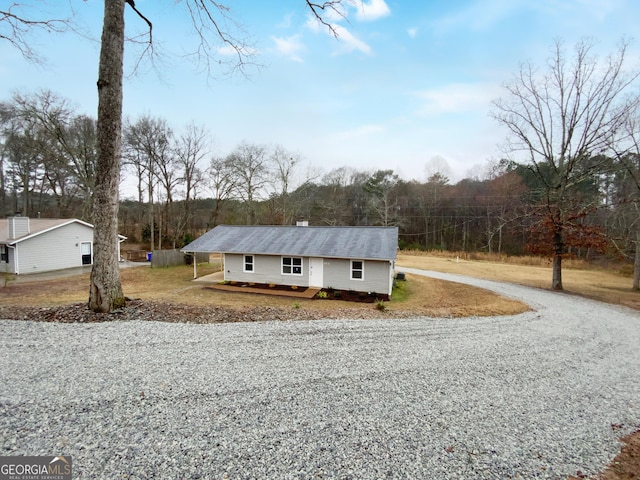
column 418, row 294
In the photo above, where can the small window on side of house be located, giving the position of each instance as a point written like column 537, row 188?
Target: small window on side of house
column 4, row 254
column 357, row 270
column 248, row 263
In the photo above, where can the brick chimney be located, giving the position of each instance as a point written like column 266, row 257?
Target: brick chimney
column 18, row 227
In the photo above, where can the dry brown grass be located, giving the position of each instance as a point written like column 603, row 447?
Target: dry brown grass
column 578, row 277
column 420, row 295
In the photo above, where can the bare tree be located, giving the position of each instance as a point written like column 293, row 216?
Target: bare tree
column 221, row 183
column 627, row 154
column 250, row 167
column 149, row 149
column 17, row 22
column 558, row 121
column 284, row 166
column 190, row 149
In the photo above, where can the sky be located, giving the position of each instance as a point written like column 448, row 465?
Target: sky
column 406, row 85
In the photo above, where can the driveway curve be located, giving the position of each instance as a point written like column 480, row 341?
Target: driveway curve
column 544, row 394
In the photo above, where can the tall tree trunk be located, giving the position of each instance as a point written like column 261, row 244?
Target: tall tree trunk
column 558, row 242
column 106, row 290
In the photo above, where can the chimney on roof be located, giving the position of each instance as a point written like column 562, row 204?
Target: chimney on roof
column 302, row 223
column 18, row 227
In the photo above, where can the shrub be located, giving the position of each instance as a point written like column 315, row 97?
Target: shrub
column 337, row 294
column 322, row 294
column 380, row 305
column 294, row 287
column 296, row 305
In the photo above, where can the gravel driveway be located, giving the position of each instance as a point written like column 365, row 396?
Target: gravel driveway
column 539, row 395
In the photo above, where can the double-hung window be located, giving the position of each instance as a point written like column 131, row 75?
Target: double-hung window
column 357, row 270
column 291, row 265
column 248, row 263
column 4, row 253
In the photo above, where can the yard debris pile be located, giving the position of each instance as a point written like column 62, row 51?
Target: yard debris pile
column 178, row 313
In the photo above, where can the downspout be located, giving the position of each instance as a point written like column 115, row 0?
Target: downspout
column 15, row 258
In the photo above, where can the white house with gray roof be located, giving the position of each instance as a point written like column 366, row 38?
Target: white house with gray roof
column 345, row 258
column 34, row 245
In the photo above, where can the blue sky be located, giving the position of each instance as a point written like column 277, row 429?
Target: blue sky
column 405, row 84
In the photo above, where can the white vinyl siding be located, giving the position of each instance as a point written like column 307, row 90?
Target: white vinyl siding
column 376, row 276
column 336, row 273
column 267, row 269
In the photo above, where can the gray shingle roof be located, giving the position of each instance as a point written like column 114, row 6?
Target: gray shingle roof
column 366, row 243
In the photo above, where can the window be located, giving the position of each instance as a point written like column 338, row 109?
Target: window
column 248, row 263
column 291, row 265
column 357, row 270
column 4, row 254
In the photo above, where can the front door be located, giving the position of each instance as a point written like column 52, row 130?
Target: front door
column 85, row 251
column 316, row 272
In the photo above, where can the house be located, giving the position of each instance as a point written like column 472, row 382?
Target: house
column 34, row 245
column 345, row 258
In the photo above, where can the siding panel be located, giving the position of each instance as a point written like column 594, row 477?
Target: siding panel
column 266, row 269
column 337, row 274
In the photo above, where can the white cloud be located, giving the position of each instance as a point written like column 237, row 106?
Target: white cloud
column 412, row 32
column 350, row 42
column 458, row 97
column 289, row 47
column 372, row 10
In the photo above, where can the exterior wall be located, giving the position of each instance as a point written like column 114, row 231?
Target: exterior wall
column 336, row 273
column 266, row 269
column 376, row 276
column 53, row 250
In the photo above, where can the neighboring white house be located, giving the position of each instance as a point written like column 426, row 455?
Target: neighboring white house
column 345, row 258
column 33, row 245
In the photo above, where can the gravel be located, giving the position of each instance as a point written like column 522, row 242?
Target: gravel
column 545, row 394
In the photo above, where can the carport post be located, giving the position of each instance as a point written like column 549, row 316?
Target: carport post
column 195, row 266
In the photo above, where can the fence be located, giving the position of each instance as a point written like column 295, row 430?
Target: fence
column 170, row 258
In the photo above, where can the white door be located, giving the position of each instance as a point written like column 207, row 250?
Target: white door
column 85, row 251
column 316, row 272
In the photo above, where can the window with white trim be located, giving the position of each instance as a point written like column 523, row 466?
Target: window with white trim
column 292, row 265
column 4, row 253
column 248, row 264
column 357, row 270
